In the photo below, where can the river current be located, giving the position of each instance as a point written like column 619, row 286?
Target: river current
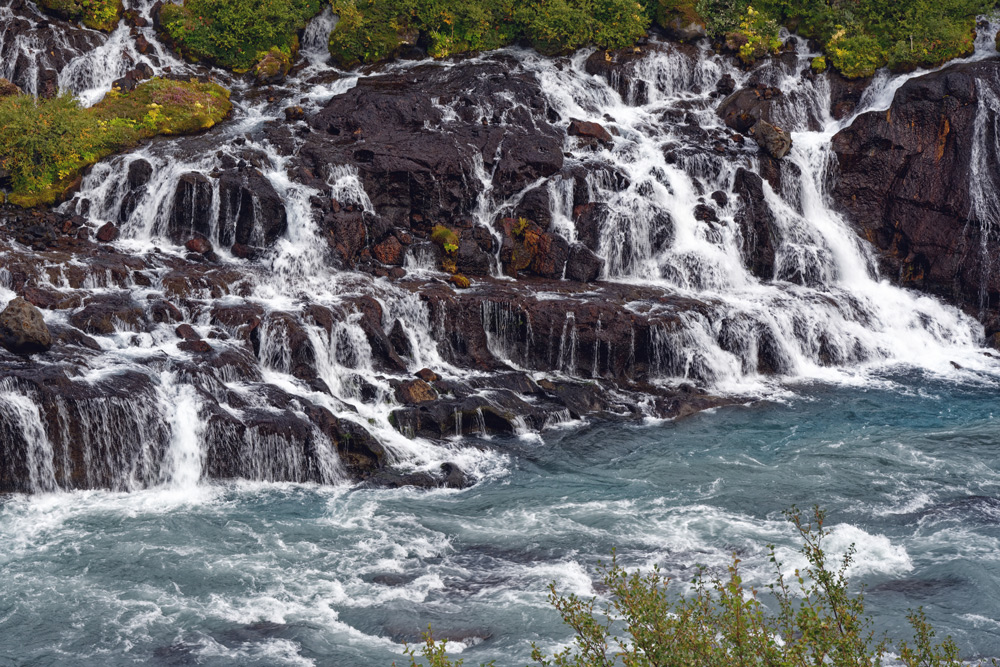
column 283, row 574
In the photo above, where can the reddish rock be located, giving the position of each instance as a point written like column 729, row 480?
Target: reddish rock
column 200, row 245
column 107, row 233
column 195, row 346
column 427, row 375
column 389, row 251
column 187, row 332
column 412, row 392
column 582, row 128
column 23, row 329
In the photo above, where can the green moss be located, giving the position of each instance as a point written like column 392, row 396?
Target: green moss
column 96, row 14
column 274, row 63
column 373, row 30
column 818, row 64
column 45, row 144
column 236, row 34
column 445, row 238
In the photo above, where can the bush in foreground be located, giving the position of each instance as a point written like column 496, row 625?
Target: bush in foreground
column 814, row 620
column 44, row 144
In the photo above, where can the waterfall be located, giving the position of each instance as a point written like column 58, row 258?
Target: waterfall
column 252, row 396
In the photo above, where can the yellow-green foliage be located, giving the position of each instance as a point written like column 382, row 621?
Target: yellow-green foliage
column 755, row 36
column 818, row 64
column 44, row 144
column 236, row 34
column 372, row 30
column 96, row 14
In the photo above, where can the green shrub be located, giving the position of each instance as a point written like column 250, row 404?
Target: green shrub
column 44, row 144
column 236, row 34
column 96, row 14
column 814, row 620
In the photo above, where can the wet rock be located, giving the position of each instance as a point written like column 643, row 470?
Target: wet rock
column 107, row 233
column 195, row 346
column 251, row 212
column 756, row 224
column 589, row 220
column 295, row 113
column 23, row 329
column 413, row 162
column 105, row 314
column 400, row 341
column 191, row 212
column 589, row 130
column 187, row 332
column 583, row 265
column 427, row 375
column 743, row 109
column 413, row 392
column 526, row 248
column 776, row 141
column 389, row 251
column 906, row 182
column 199, row 245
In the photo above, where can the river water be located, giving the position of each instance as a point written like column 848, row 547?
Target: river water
column 284, row 574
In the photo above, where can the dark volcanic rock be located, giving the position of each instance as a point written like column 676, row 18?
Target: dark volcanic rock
column 756, row 224
column 583, row 264
column 22, row 328
column 747, row 106
column 906, row 181
column 251, row 212
column 191, row 212
column 416, row 162
column 776, row 141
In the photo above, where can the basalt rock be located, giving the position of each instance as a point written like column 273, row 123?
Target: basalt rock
column 415, row 158
column 746, row 107
column 908, row 183
column 251, row 212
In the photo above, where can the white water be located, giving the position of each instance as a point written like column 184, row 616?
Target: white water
column 826, row 314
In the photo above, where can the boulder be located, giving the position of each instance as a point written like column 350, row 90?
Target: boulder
column 743, row 109
column 756, row 225
column 589, row 130
column 22, row 328
column 776, row 141
column 191, row 208
column 251, row 212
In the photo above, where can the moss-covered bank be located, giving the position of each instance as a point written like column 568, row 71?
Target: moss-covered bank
column 236, row 34
column 45, row 144
column 96, row 14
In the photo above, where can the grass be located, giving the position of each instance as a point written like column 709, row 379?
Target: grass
column 45, row 144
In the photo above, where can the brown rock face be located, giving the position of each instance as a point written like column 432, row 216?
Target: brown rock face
column 906, row 178
column 22, row 328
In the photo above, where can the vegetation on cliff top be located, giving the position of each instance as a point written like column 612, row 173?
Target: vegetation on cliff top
column 237, row 34
column 813, row 619
column 44, row 144
column 370, row 30
column 96, row 14
column 858, row 36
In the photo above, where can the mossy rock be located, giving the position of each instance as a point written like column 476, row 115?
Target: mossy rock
column 45, row 144
column 96, row 14
column 274, row 64
column 445, row 238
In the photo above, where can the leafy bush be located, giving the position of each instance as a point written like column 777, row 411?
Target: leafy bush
column 236, row 34
column 44, row 144
column 96, row 14
column 816, row 620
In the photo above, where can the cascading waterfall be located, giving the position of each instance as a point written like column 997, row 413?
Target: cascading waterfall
column 825, row 310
